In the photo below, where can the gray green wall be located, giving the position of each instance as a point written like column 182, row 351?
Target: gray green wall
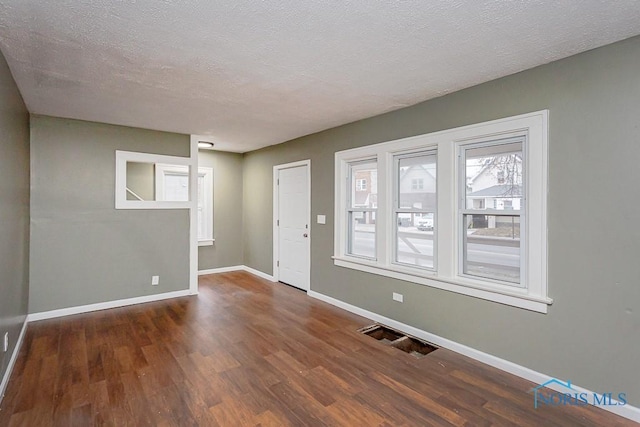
column 141, row 179
column 83, row 250
column 226, row 251
column 591, row 334
column 14, row 212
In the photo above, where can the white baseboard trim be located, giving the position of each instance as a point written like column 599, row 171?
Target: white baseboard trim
column 12, row 361
column 105, row 305
column 220, row 270
column 626, row 411
column 33, row 317
column 258, row 273
column 237, row 268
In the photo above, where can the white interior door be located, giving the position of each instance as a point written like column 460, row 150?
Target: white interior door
column 293, row 226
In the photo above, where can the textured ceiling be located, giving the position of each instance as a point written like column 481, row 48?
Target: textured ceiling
column 252, row 73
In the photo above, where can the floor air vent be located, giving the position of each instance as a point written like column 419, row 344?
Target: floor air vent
column 414, row 346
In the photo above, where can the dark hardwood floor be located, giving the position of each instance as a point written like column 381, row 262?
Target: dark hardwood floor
column 248, row 352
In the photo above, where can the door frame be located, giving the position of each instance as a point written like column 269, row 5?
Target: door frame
column 276, row 214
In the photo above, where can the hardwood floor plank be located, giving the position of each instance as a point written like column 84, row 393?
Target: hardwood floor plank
column 81, row 415
column 249, row 352
column 267, row 419
column 33, row 417
column 389, row 407
column 232, row 412
column 424, row 401
column 297, row 405
column 354, row 414
column 27, row 396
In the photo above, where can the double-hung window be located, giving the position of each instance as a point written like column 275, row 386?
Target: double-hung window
column 462, row 210
column 414, row 208
column 491, row 238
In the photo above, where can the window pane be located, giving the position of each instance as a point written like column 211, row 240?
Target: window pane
column 362, row 234
column 494, row 177
column 414, row 234
column 364, row 184
column 417, row 182
column 176, row 187
column 492, row 247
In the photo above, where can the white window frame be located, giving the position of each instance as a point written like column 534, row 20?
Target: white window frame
column 161, row 170
column 534, row 295
column 122, row 157
column 361, row 184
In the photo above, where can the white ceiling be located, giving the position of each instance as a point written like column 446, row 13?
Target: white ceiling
column 252, row 73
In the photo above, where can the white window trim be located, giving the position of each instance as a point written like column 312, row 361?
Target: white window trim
column 122, row 157
column 447, row 277
column 205, row 172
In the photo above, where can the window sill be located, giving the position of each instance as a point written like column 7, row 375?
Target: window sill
column 206, row 242
column 472, row 288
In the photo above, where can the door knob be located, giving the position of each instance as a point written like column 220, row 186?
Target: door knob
column 305, row 235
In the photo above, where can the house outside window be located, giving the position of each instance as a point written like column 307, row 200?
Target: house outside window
column 493, row 231
column 361, row 213
column 414, row 209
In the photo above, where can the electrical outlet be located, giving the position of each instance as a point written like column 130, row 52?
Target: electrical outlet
column 5, row 345
column 398, row 297
column 155, row 280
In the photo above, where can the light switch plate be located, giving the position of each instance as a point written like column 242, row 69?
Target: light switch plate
column 322, row 219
